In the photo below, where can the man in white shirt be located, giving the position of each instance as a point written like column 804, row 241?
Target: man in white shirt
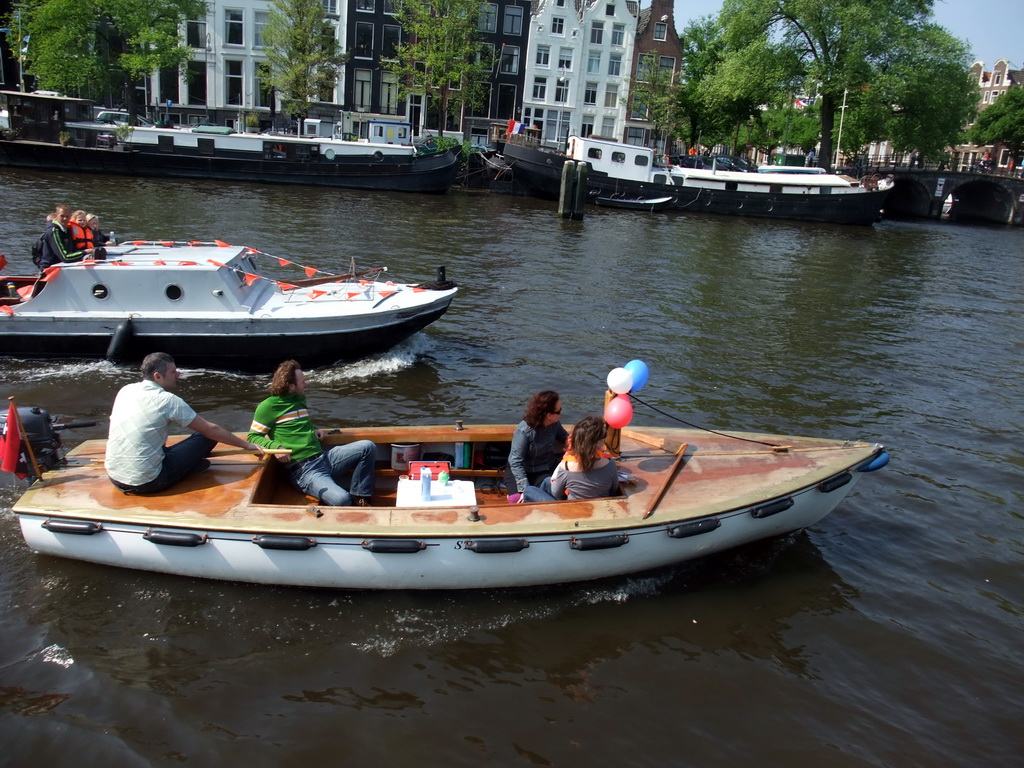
column 138, row 461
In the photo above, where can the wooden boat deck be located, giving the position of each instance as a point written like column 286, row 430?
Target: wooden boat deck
column 712, row 474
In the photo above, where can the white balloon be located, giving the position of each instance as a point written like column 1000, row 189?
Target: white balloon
column 620, row 381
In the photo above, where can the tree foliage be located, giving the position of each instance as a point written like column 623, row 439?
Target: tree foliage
column 903, row 76
column 698, row 119
column 1002, row 122
column 304, row 57
column 91, row 48
column 656, row 92
column 442, row 55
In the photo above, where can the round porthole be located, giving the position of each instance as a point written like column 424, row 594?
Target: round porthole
column 329, row 154
column 173, row 292
column 99, row 291
column 378, row 155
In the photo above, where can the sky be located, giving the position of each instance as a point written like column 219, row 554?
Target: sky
column 992, row 28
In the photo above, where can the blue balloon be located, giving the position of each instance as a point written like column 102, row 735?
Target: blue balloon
column 639, row 370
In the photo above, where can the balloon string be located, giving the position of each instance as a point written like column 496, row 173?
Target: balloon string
column 698, row 426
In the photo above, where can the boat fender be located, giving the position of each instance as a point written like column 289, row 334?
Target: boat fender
column 175, row 538
column 80, row 527
column 270, row 541
column 779, row 505
column 880, row 460
column 599, row 542
column 696, row 528
column 835, row 482
column 487, row 546
column 395, row 546
column 119, row 341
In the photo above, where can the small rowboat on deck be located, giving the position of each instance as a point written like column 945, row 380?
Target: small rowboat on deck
column 689, row 493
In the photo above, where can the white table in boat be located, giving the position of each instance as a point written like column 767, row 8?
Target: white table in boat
column 458, row 493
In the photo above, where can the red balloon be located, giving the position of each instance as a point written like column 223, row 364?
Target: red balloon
column 619, row 412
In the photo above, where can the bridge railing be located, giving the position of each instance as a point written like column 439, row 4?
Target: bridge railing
column 893, row 163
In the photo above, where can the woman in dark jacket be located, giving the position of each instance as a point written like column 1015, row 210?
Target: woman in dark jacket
column 538, row 444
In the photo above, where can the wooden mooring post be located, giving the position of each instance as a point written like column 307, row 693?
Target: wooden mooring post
column 573, row 193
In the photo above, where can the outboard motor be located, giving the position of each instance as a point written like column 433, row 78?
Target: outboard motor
column 42, row 434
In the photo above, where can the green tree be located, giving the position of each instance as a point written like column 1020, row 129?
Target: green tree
column 443, row 56
column 1002, row 123
column 786, row 126
column 93, row 48
column 698, row 120
column 304, row 58
column 859, row 48
column 656, row 94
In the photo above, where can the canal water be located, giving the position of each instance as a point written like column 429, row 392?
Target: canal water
column 887, row 635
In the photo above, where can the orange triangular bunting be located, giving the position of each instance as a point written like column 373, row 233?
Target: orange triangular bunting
column 6, row 310
column 222, row 244
column 250, row 279
column 316, row 294
column 283, row 262
column 216, row 263
column 286, row 286
column 310, row 271
column 353, row 294
column 385, row 294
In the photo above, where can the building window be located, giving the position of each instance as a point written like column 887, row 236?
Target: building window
column 509, row 64
column 233, row 82
column 261, row 90
column 488, row 21
column 609, row 10
column 596, row 32
column 590, row 94
column 513, row 20
column 660, row 30
column 540, row 87
column 594, row 63
column 556, row 127
column 615, row 65
column 392, row 37
column 561, row 90
column 366, row 5
column 260, row 19
column 636, row 136
column 390, row 7
column 999, row 79
column 611, row 95
column 543, row 55
column 587, row 127
column 644, row 67
column 331, row 7
column 565, row 59
column 195, row 34
column 169, row 85
column 364, row 90
column 388, row 93
column 506, row 100
column 667, row 63
column 234, row 28
column 196, row 82
column 557, row 25
column 618, row 34
column 608, row 127
column 363, row 49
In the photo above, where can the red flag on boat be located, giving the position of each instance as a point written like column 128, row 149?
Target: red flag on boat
column 310, row 271
column 283, row 262
column 283, row 286
column 314, row 294
column 6, row 310
column 250, row 278
column 3, row 261
column 12, row 458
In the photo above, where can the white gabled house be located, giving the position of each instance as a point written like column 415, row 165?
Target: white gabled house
column 578, row 64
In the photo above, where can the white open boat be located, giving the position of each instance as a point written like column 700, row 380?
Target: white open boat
column 690, row 493
column 212, row 305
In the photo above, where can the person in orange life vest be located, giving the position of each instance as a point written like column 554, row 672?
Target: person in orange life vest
column 587, row 470
column 81, row 239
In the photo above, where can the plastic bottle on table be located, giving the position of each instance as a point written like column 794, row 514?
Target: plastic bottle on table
column 425, row 484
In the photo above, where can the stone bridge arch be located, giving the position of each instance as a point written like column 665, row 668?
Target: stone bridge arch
column 976, row 197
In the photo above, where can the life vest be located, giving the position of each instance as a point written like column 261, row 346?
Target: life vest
column 81, row 237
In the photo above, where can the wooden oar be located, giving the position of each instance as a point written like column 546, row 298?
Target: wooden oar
column 668, row 481
column 238, row 451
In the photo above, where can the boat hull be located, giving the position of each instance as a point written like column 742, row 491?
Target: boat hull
column 685, row 501
column 434, row 173
column 540, row 170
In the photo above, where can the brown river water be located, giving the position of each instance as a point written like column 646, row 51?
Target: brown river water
column 889, row 634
